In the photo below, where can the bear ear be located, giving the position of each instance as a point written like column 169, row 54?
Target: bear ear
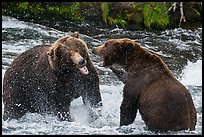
column 127, row 44
column 75, row 34
column 55, row 52
column 130, row 45
column 58, row 51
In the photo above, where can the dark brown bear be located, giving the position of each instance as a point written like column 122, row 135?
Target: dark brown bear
column 150, row 87
column 46, row 78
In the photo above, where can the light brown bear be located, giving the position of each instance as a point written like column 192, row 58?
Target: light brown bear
column 150, row 87
column 46, row 78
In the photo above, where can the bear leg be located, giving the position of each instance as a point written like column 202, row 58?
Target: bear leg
column 128, row 110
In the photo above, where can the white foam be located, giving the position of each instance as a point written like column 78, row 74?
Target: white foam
column 111, row 98
column 192, row 74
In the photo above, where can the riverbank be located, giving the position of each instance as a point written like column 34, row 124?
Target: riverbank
column 85, row 16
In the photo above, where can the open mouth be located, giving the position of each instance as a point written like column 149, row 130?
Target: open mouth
column 84, row 70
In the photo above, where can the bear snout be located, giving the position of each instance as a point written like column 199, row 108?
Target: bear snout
column 82, row 62
column 94, row 50
column 78, row 59
column 82, row 66
column 97, row 50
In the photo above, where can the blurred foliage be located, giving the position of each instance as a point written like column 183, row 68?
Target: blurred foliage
column 155, row 13
column 39, row 10
column 105, row 11
column 121, row 14
column 109, row 20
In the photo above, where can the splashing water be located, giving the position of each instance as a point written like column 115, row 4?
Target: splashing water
column 185, row 62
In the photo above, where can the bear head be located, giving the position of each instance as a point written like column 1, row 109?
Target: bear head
column 115, row 51
column 69, row 54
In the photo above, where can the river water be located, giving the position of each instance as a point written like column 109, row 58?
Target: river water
column 181, row 49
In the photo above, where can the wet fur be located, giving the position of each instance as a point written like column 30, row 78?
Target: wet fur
column 45, row 79
column 163, row 102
